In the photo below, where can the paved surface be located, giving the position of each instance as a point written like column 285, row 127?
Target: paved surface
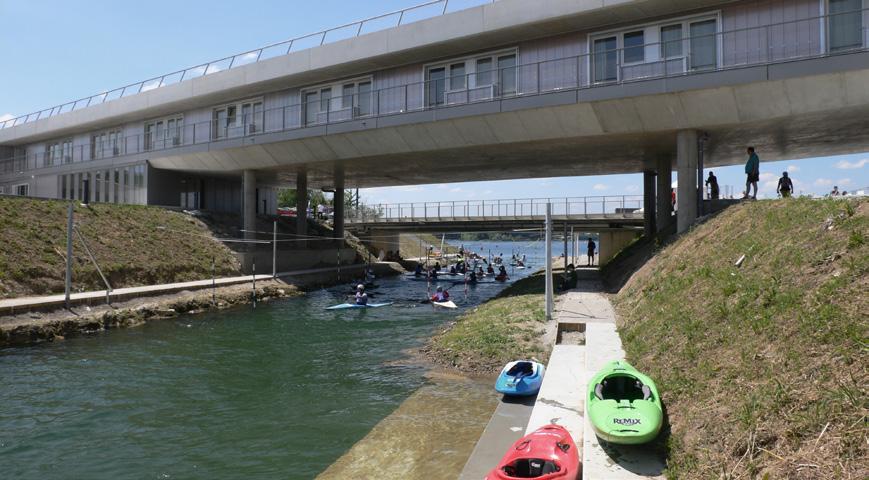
column 505, row 427
column 24, row 304
column 561, row 399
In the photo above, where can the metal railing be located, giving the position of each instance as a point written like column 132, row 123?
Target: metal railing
column 349, row 30
column 591, row 207
column 757, row 46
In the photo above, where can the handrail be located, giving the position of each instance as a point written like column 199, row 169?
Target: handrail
column 573, row 73
column 603, row 206
column 214, row 66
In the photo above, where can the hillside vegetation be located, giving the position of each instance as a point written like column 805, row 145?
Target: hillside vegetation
column 763, row 367
column 133, row 245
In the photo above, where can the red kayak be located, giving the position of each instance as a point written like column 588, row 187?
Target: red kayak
column 547, row 453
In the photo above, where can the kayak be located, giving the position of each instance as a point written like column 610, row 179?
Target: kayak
column 345, row 306
column 520, row 378
column 623, row 405
column 548, row 453
column 447, row 304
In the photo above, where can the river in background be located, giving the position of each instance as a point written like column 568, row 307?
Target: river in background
column 281, row 391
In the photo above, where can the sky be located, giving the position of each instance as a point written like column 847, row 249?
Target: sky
column 55, row 51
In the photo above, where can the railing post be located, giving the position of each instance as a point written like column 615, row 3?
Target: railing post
column 604, row 206
column 585, row 206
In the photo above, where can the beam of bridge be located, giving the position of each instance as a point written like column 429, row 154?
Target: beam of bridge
column 592, row 213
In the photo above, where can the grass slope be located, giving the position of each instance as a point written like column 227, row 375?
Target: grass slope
column 763, row 367
column 125, row 240
column 505, row 328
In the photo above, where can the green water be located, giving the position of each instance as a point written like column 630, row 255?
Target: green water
column 277, row 392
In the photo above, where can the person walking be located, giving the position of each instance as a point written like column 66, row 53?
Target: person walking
column 712, row 183
column 752, row 173
column 590, row 247
column 785, row 186
column 835, row 192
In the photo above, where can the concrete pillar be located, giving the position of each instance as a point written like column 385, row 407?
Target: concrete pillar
column 338, row 224
column 248, row 203
column 383, row 241
column 686, row 193
column 611, row 242
column 301, row 206
column 664, row 208
column 649, row 203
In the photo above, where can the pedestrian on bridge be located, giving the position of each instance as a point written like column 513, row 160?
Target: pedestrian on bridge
column 591, row 248
column 752, row 173
column 712, row 183
column 785, row 185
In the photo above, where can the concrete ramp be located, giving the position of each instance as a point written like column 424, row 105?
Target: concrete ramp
column 560, row 400
column 505, row 427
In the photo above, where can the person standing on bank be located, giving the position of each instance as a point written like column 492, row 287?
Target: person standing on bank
column 752, row 173
column 591, row 247
column 785, row 186
column 712, row 183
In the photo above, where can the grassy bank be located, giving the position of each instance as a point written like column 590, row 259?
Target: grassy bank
column 415, row 245
column 507, row 327
column 763, row 367
column 133, row 245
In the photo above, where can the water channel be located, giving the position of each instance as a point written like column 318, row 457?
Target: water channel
column 280, row 391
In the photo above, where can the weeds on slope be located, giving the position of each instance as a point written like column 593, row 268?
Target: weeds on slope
column 764, row 367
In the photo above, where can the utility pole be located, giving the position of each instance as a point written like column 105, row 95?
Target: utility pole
column 68, row 281
column 548, row 295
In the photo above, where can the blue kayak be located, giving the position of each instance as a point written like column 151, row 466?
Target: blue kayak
column 345, row 306
column 520, row 378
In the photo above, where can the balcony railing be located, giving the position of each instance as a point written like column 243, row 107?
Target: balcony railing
column 349, row 30
column 592, row 207
column 733, row 49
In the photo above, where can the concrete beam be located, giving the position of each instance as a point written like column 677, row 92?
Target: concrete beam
column 649, row 203
column 612, row 242
column 686, row 193
column 338, row 222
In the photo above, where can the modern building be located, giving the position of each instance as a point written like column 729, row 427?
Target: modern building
column 506, row 89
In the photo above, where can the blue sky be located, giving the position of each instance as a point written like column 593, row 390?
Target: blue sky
column 56, row 51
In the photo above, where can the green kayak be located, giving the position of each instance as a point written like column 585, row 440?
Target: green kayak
column 623, row 405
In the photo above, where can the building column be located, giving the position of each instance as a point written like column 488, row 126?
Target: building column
column 649, row 203
column 686, row 193
column 664, row 208
column 248, row 203
column 338, row 203
column 301, row 206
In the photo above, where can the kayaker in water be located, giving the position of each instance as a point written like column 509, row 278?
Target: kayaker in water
column 453, row 270
column 433, row 274
column 490, row 269
column 361, row 296
column 437, row 267
column 418, row 270
column 440, row 295
column 472, row 278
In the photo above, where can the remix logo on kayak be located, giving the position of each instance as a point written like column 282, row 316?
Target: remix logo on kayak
column 627, row 421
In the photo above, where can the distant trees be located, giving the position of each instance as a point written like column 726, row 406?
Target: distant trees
column 287, row 198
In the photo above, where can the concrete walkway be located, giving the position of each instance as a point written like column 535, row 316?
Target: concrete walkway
column 52, row 302
column 505, row 427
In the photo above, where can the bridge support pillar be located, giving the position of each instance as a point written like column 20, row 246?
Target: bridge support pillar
column 248, row 203
column 301, row 206
column 649, row 204
column 384, row 241
column 664, row 208
column 686, row 194
column 338, row 203
column 611, row 242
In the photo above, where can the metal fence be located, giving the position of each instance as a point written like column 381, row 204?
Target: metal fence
column 752, row 46
column 618, row 206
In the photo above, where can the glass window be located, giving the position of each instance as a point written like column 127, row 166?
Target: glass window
column 457, row 76
column 704, row 52
column 106, row 185
column 364, row 98
column 484, row 71
column 846, row 24
column 671, row 41
column 634, row 51
column 98, row 180
column 117, row 187
column 311, row 109
column 348, row 92
column 62, row 180
column 127, row 185
column 436, row 86
column 507, row 74
column 325, row 99
column 605, row 60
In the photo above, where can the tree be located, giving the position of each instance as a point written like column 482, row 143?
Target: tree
column 287, row 197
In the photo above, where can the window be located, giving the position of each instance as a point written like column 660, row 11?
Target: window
column 634, row 51
column 704, row 51
column 106, row 144
column 61, row 181
column 671, row 41
column 117, row 185
column 846, row 24
column 484, row 71
column 163, row 133
column 507, row 74
column 605, row 59
column 98, row 181
column 458, row 81
column 106, row 186
column 57, row 153
column 436, row 86
column 21, row 190
column 126, row 185
column 357, row 96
